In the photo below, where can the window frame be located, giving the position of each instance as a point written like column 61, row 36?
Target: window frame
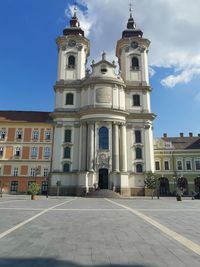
column 135, row 65
column 15, row 171
column 139, row 170
column 157, row 169
column 138, row 153
column 67, row 152
column 69, row 99
column 138, row 137
column 72, row 64
column 136, row 100
column 35, row 135
column 103, row 138
column 34, row 152
column 47, row 135
column 47, row 155
column 68, row 169
column 19, row 134
column 178, row 167
column 66, row 139
column 1, row 151
column 197, row 160
column 166, row 161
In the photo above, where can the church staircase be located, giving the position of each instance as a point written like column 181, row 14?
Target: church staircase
column 103, row 193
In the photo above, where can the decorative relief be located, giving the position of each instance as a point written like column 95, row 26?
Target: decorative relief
column 103, row 160
column 104, row 95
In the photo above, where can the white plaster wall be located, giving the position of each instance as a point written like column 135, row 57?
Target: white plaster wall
column 57, row 149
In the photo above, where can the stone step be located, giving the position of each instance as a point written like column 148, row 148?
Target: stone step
column 103, row 193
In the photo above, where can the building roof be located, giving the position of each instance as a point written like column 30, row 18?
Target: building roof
column 191, row 142
column 25, row 116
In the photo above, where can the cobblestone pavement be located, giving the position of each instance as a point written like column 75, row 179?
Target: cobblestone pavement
column 77, row 232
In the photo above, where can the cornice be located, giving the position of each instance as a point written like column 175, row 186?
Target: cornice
column 62, row 84
column 144, row 116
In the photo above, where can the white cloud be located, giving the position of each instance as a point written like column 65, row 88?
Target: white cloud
column 171, row 25
column 152, row 72
column 184, row 77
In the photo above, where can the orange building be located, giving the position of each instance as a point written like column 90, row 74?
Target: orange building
column 25, row 150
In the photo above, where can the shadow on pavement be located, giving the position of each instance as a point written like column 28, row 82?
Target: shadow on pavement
column 51, row 262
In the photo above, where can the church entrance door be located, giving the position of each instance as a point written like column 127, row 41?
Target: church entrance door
column 103, row 178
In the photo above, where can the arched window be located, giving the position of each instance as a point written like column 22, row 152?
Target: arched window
column 135, row 63
column 138, row 153
column 67, row 153
column 69, row 99
column 139, row 168
column 71, row 62
column 138, row 138
column 136, row 100
column 66, row 167
column 103, row 138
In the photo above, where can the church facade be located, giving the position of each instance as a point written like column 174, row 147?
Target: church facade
column 102, row 120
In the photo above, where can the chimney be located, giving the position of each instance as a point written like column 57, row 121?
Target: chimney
column 181, row 135
column 165, row 135
column 190, row 134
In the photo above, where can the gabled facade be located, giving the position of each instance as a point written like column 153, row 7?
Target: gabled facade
column 103, row 120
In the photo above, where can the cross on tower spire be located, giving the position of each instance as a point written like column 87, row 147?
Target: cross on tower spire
column 131, row 9
column 75, row 9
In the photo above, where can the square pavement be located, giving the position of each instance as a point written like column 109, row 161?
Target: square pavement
column 78, row 232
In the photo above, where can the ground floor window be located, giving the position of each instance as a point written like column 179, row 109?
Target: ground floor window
column 14, row 186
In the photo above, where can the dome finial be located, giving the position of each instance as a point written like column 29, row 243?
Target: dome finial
column 131, row 9
column 75, row 9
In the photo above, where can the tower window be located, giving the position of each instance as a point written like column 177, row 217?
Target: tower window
column 71, row 62
column 136, row 100
column 66, row 167
column 68, row 134
column 103, row 138
column 139, row 168
column 69, row 99
column 138, row 153
column 138, row 138
column 67, row 153
column 135, row 63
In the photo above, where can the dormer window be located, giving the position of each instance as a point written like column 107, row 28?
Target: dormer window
column 135, row 63
column 103, row 69
column 71, row 62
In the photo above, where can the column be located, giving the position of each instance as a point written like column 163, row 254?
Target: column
column 83, row 147
column 90, row 146
column 115, row 145
column 123, row 149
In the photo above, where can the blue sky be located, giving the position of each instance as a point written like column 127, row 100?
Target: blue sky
column 28, row 53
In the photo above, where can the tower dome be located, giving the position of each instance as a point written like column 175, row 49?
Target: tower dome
column 74, row 28
column 131, row 30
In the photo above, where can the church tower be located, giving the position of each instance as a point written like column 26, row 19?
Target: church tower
column 132, row 51
column 73, row 49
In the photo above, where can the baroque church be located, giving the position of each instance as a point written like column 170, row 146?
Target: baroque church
column 103, row 135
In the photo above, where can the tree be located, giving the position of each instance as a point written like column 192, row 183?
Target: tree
column 33, row 189
column 150, row 182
